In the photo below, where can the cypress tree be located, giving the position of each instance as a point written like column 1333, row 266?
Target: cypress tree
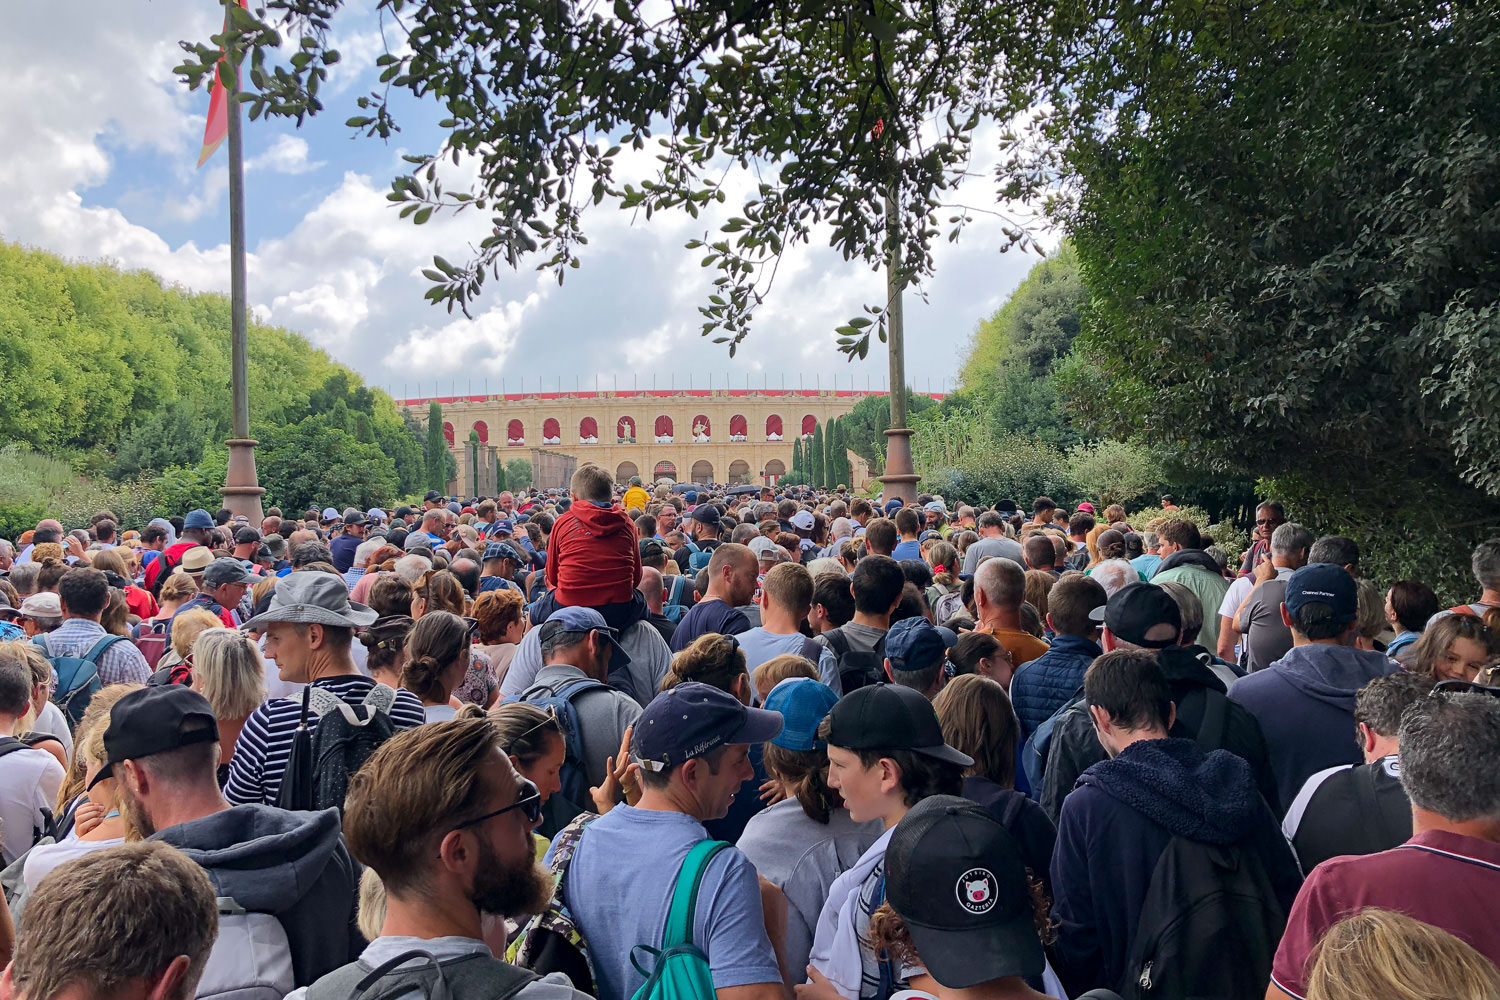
column 819, row 463
column 437, row 464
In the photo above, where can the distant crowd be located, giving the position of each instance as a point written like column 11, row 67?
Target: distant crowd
column 650, row 741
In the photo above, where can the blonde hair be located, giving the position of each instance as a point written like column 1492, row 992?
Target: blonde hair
column 108, row 559
column 76, row 776
column 371, row 904
column 1381, row 953
column 187, row 626
column 228, row 671
column 178, row 586
column 116, row 617
column 41, row 673
column 780, row 668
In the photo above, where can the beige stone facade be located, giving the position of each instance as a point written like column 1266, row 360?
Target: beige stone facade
column 719, row 436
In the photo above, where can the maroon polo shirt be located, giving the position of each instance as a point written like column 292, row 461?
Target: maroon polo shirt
column 1442, row 879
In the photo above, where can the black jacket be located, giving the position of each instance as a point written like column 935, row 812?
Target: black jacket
column 1074, row 747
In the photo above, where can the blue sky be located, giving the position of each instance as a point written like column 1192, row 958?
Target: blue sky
column 99, row 153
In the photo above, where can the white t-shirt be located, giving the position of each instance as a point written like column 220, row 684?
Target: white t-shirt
column 29, row 780
column 52, row 722
column 439, row 713
column 45, row 857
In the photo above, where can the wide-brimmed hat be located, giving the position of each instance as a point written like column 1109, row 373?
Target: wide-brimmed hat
column 312, row 598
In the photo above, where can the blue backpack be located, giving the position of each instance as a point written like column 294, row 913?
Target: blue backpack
column 77, row 676
column 673, row 605
column 574, row 796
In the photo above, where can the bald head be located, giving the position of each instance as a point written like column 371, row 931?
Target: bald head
column 651, row 588
column 1003, row 583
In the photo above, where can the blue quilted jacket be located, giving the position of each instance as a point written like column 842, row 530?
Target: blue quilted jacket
column 1045, row 684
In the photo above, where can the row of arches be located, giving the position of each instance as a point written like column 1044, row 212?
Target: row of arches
column 662, row 430
column 739, row 472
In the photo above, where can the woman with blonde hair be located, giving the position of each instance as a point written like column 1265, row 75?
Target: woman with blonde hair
column 229, row 672
column 43, row 718
column 98, row 821
column 437, row 661
column 1385, row 954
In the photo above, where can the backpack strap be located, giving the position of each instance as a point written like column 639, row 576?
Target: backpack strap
column 380, row 699
column 566, row 690
column 811, row 651
column 679, row 929
column 1215, row 720
column 837, row 642
column 321, row 701
column 1368, row 797
column 10, row 745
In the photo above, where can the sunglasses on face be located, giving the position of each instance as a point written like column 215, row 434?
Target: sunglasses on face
column 528, row 800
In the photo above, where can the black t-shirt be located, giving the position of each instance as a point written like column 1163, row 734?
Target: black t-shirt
column 1023, row 819
column 705, row 617
column 1349, row 810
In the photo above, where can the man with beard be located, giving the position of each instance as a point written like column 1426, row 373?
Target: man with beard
column 162, row 748
column 439, row 813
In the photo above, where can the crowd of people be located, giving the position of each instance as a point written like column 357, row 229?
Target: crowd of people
column 663, row 741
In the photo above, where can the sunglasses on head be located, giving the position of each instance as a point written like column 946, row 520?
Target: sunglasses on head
column 528, row 800
column 1466, row 687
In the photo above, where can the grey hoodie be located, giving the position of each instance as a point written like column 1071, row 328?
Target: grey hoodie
column 1305, row 705
column 292, row 865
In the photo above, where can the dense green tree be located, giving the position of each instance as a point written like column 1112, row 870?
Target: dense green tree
column 312, row 464
column 518, row 473
column 1285, row 217
column 173, row 435
column 818, row 465
column 502, row 477
column 871, row 418
column 474, row 469
column 437, row 447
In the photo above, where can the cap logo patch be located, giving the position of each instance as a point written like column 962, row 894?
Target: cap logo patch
column 976, row 890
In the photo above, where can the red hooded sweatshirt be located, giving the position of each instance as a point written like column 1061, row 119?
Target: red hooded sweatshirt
column 593, row 556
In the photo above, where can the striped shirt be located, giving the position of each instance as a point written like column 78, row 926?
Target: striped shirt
column 121, row 663
column 265, row 743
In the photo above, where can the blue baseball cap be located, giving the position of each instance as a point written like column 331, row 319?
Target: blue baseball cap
column 502, row 550
column 198, row 520
column 1323, row 583
column 503, row 524
column 803, row 703
column 581, row 620
column 892, row 505
column 693, row 719
column 914, row 643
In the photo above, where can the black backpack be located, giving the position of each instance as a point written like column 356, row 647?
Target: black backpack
column 469, row 977
column 317, row 772
column 857, row 667
column 1209, row 926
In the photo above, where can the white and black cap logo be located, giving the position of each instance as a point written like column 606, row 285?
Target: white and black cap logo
column 976, row 890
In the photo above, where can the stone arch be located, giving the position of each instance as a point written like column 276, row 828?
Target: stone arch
column 588, row 432
column 624, row 471
column 702, row 429
column 515, row 434
column 551, row 431
column 809, row 425
column 665, row 469
column 703, row 471
column 773, row 428
column 448, row 433
column 739, row 472
column 483, row 430
column 775, row 469
column 625, row 430
column 662, row 429
column 739, row 428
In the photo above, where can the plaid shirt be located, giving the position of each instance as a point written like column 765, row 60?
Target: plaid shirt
column 121, row 663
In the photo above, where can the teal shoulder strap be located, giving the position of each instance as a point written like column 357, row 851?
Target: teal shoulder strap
column 679, row 928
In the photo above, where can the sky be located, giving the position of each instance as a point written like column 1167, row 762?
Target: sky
column 99, row 153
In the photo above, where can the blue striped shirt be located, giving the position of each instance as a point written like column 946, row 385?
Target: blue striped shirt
column 265, row 743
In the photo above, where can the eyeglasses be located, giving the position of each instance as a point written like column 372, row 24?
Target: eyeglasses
column 530, row 803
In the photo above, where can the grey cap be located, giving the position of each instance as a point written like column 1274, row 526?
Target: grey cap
column 276, row 545
column 313, row 598
column 417, row 541
column 227, row 570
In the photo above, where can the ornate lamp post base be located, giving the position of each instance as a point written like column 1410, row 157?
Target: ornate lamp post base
column 240, row 493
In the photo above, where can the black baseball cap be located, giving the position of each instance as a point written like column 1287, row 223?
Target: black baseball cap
column 154, row 720
column 958, row 880
column 1135, row 609
column 890, row 717
column 432, row 496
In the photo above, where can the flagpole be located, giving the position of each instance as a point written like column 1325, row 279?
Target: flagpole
column 241, row 490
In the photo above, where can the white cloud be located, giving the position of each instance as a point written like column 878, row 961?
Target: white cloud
column 286, row 155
